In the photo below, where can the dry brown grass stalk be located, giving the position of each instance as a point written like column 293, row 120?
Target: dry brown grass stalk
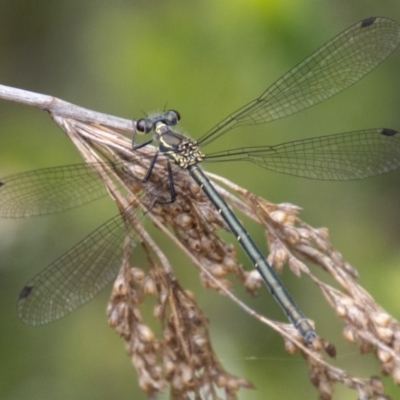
column 182, row 356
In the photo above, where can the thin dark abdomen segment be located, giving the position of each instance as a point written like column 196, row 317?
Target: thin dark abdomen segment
column 271, row 279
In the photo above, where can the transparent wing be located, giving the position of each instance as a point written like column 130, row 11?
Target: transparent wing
column 334, row 67
column 77, row 276
column 49, row 190
column 344, row 156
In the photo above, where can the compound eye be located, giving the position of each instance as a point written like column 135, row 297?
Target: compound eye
column 144, row 125
column 171, row 117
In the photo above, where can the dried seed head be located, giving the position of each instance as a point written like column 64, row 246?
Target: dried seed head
column 230, row 264
column 145, row 333
column 158, row 311
column 187, row 375
column 305, row 234
column 137, row 274
column 199, row 341
column 218, row 270
column 177, row 382
column 145, row 383
column 322, row 232
column 169, row 367
column 253, row 280
column 329, row 348
column 365, row 347
column 168, row 335
column 149, row 286
column 376, row 384
column 297, row 266
column 385, row 334
column 222, row 381
column 184, row 220
column 195, row 245
column 279, row 216
column 292, row 236
column 113, row 316
column 120, row 287
column 349, row 334
column 396, row 374
column 137, row 314
column 325, row 389
column 380, row 318
column 233, row 384
column 290, row 347
column 384, row 356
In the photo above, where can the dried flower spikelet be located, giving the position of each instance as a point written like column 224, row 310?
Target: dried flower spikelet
column 233, row 384
column 290, row 347
column 385, row 334
column 169, row 366
column 387, row 368
column 253, row 280
column 189, row 294
column 194, row 245
column 137, row 314
column 280, row 256
column 218, row 270
column 343, row 305
column 358, row 317
column 279, row 216
column 222, row 380
column 376, row 384
column 322, row 244
column 113, row 316
column 396, row 374
column 383, row 355
column 137, row 274
column 325, row 388
column 305, row 234
column 230, row 264
column 158, row 311
column 396, row 341
column 163, row 296
column 323, row 233
column 380, row 318
column 177, row 383
column 207, row 244
column 289, row 208
column 199, row 341
column 145, row 383
column 206, row 390
column 349, row 269
column 340, row 310
column 291, row 235
column 297, row 266
column 149, row 286
column 151, row 360
column 145, row 333
column 349, row 334
column 184, row 220
column 120, row 287
column 168, row 335
column 365, row 347
column 187, row 375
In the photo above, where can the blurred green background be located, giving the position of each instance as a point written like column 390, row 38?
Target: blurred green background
column 205, row 59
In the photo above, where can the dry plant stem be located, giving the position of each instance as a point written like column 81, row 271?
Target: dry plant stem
column 64, row 109
column 189, row 363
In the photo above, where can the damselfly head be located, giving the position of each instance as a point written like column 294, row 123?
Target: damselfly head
column 147, row 125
